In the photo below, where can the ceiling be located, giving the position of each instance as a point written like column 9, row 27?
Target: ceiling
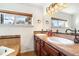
column 72, row 8
column 40, row 4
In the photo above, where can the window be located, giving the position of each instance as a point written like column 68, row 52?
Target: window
column 58, row 23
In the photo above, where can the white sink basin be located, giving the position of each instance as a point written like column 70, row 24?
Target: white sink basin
column 60, row 40
column 4, row 51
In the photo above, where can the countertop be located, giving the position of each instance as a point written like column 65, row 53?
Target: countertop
column 73, row 34
column 69, row 33
column 70, row 50
column 11, row 41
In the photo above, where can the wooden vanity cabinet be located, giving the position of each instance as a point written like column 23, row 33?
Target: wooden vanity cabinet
column 61, row 54
column 43, row 51
column 37, row 45
column 42, row 48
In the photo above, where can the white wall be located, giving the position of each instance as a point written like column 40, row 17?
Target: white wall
column 25, row 32
column 75, row 21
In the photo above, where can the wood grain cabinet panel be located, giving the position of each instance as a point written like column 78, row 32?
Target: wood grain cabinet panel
column 50, row 50
column 61, row 54
column 37, row 45
column 43, row 52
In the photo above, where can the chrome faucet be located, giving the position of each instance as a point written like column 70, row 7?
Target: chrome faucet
column 76, row 40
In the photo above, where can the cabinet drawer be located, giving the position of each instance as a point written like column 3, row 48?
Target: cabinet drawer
column 50, row 50
column 37, row 39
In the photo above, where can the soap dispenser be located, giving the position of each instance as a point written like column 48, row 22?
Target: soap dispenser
column 49, row 33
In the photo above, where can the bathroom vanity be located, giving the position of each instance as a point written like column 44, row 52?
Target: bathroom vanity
column 44, row 47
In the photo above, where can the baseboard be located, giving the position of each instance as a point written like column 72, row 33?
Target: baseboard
column 27, row 50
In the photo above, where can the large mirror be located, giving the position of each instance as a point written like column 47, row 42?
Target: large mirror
column 15, row 19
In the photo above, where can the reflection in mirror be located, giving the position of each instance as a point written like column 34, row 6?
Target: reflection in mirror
column 58, row 23
column 8, row 19
column 14, row 19
column 22, row 20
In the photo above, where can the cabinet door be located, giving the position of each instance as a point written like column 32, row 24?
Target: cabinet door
column 37, row 45
column 50, row 50
column 43, row 52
